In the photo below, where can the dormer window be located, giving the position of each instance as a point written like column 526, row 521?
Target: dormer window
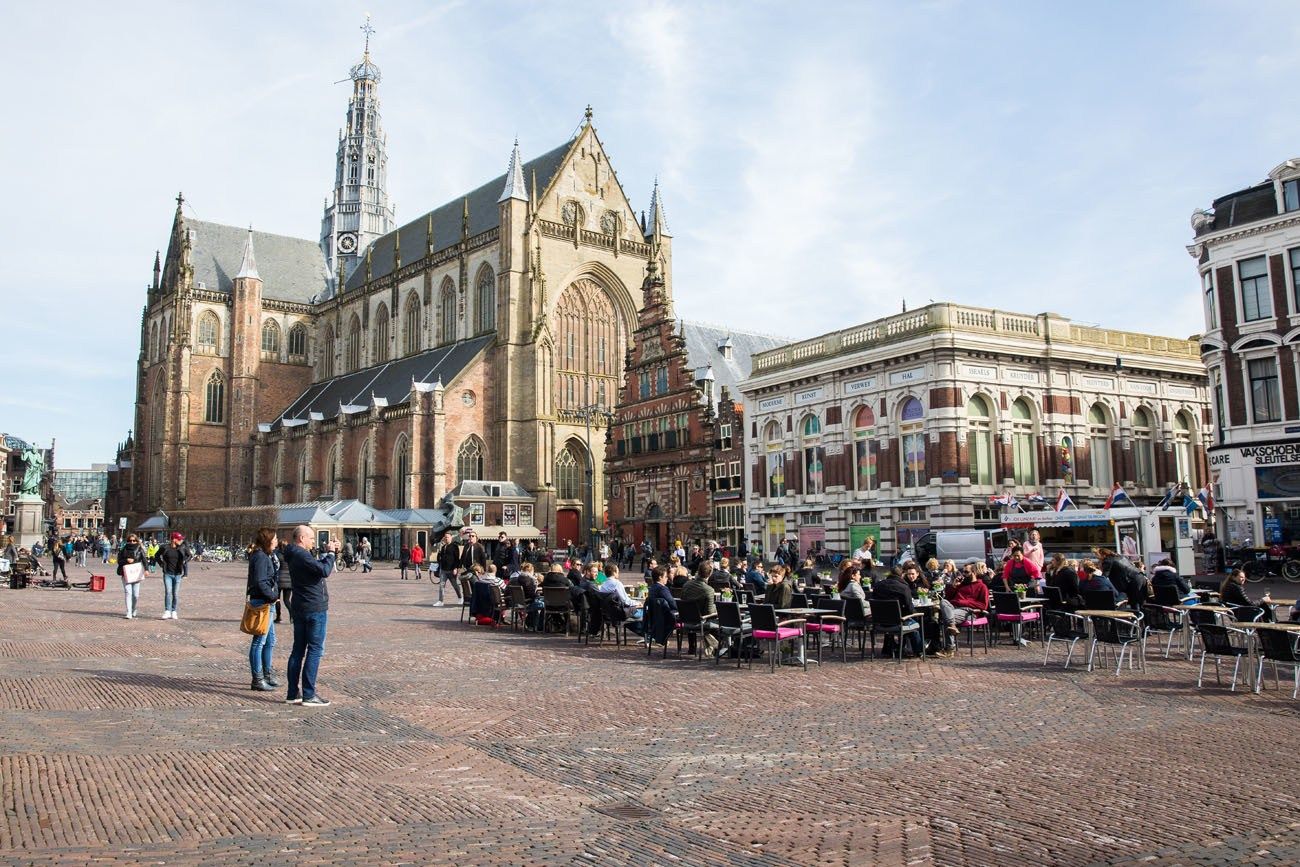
column 1291, row 195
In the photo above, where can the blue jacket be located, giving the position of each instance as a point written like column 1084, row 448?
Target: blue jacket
column 758, row 579
column 308, row 574
column 1097, row 581
column 263, row 578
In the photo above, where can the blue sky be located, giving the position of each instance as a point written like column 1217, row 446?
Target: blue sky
column 820, row 162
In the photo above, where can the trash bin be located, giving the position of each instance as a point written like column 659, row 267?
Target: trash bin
column 96, row 583
column 17, row 580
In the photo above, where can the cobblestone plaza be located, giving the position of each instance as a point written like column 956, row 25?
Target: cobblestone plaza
column 139, row 742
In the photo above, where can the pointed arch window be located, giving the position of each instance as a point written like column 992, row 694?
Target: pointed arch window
column 327, row 354
column 911, row 429
column 270, row 337
column 1099, row 443
column 352, row 344
column 569, row 465
column 1024, row 455
column 402, row 472
column 814, row 454
column 209, row 332
column 298, row 341
column 363, row 473
column 411, row 325
column 864, row 457
column 447, row 313
column 332, row 473
column 979, row 440
column 1143, row 452
column 152, row 353
column 214, row 399
column 469, row 460
column 382, row 334
column 486, row 300
column 585, row 315
column 775, row 460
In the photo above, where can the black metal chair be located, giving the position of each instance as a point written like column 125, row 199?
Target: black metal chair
column 613, row 619
column 1247, row 613
column 557, row 603
column 856, row 620
column 690, row 624
column 733, row 630
column 1279, row 648
column 466, row 595
column 1099, row 600
column 1167, row 594
column 887, row 619
column 1066, row 627
column 1010, row 611
column 1218, row 641
column 798, row 600
column 764, row 627
column 518, row 609
column 829, row 624
column 1162, row 618
column 1055, row 599
column 1121, row 633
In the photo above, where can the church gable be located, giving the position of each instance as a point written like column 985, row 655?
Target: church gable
column 585, row 192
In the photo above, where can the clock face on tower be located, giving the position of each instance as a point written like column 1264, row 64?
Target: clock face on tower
column 347, row 243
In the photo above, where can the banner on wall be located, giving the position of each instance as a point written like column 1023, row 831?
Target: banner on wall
column 859, row 532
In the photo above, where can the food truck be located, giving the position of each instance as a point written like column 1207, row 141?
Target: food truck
column 1077, row 533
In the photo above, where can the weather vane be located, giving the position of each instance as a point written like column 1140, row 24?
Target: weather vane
column 368, row 30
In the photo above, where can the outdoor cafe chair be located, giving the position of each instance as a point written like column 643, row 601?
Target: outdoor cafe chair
column 1099, row 600
column 466, row 596
column 1247, row 613
column 1008, row 610
column 557, row 603
column 1279, row 648
column 733, row 629
column 1167, row 594
column 828, row 624
column 1161, row 618
column 518, row 606
column 690, row 623
column 1122, row 633
column 977, row 620
column 1065, row 627
column 1218, row 641
column 765, row 628
column 798, row 600
column 613, row 619
column 887, row 619
column 1055, row 601
column 856, row 620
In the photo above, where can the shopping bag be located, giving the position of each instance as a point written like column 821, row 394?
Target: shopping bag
column 132, row 573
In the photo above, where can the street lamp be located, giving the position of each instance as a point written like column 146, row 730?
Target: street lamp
column 592, row 409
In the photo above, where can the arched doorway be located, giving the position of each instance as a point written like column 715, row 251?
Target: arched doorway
column 567, row 524
column 655, row 530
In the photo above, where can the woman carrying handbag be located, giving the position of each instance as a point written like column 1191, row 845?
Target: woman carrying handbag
column 263, row 591
column 130, row 565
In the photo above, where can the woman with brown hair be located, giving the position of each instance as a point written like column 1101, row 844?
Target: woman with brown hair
column 263, row 589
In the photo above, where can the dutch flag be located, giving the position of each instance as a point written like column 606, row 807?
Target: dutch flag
column 1117, row 495
column 1206, row 498
column 1063, row 501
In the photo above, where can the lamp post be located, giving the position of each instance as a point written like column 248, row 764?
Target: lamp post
column 588, row 411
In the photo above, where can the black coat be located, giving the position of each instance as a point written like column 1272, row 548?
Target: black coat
column 473, row 555
column 894, row 588
column 263, row 585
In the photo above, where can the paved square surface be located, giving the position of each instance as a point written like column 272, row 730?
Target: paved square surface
column 140, row 742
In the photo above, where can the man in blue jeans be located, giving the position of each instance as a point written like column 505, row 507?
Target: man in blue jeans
column 309, row 609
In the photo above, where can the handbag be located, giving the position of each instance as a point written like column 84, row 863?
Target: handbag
column 256, row 619
column 132, row 573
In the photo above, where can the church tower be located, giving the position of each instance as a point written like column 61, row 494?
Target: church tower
column 359, row 212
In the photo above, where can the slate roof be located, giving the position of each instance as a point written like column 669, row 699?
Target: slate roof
column 390, row 381
column 474, row 488
column 702, row 350
column 349, row 513
column 483, row 215
column 292, row 269
column 1244, row 206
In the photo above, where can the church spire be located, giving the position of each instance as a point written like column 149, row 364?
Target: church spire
column 658, row 227
column 514, row 178
column 248, row 265
column 359, row 211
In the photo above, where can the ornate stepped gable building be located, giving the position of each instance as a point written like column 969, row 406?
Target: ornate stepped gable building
column 912, row 422
column 391, row 364
column 675, row 450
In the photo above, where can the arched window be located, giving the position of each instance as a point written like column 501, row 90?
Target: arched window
column 1099, row 441
column 411, row 325
column 911, row 429
column 214, row 399
column 352, row 345
column 381, row 335
column 402, row 473
column 152, row 354
column 298, row 341
column 585, row 315
column 363, row 472
column 1024, row 456
column 775, row 460
column 447, row 313
column 469, row 460
column 332, row 473
column 327, row 354
column 277, row 474
column 570, row 464
column 864, row 456
column 1184, row 469
column 979, row 440
column 1143, row 453
column 486, row 299
column 814, row 454
column 209, row 331
column 1067, row 459
column 271, row 337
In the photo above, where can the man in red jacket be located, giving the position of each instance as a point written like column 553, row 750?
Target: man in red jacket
column 967, row 597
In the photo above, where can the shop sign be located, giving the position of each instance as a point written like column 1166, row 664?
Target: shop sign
column 859, row 385
column 809, row 395
column 980, row 372
column 1259, row 456
column 1030, row 376
column 1101, row 383
column 771, row 403
column 902, row 377
column 1141, row 387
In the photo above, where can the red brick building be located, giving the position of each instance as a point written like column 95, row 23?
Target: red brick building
column 675, row 450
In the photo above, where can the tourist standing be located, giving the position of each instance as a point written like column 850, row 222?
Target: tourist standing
column 172, row 561
column 363, row 551
column 59, row 559
column 286, row 583
column 449, row 556
column 309, row 610
column 417, row 559
column 132, row 552
column 263, row 589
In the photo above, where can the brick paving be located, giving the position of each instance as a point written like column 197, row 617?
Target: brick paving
column 128, row 742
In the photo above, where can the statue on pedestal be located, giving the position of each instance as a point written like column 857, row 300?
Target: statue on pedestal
column 33, row 471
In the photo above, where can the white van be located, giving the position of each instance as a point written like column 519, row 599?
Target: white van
column 959, row 546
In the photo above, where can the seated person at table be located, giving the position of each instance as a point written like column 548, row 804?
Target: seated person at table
column 1063, row 574
column 489, row 577
column 1165, row 575
column 677, row 572
column 526, row 579
column 659, row 598
column 1232, row 592
column 779, row 591
column 892, row 587
column 755, row 580
column 849, row 583
column 613, row 586
column 916, row 581
column 968, row 596
column 555, row 577
column 697, row 590
column 1096, row 580
column 808, row 572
